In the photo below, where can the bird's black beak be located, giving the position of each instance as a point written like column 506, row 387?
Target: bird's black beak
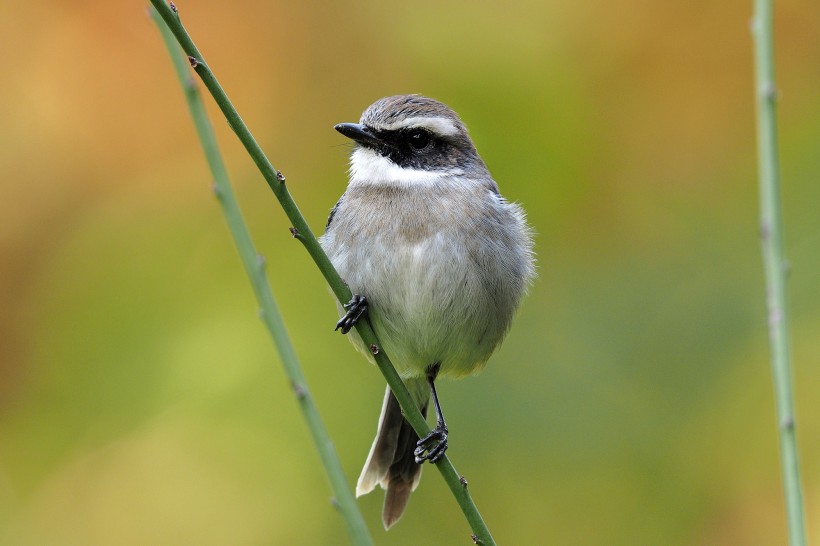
column 360, row 134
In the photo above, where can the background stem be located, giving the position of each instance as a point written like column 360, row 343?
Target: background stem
column 255, row 268
column 775, row 265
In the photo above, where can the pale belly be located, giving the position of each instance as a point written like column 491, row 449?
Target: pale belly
column 430, row 302
column 442, row 266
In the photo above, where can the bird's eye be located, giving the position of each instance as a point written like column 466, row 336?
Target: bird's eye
column 420, row 140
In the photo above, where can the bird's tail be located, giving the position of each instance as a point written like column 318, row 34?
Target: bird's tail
column 391, row 462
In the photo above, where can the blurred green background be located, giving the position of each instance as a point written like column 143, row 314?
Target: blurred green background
column 141, row 401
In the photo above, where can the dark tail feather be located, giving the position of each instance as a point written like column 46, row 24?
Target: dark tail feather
column 391, row 462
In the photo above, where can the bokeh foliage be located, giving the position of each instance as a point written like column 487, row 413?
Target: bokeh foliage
column 140, row 399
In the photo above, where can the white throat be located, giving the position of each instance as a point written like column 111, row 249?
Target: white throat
column 369, row 167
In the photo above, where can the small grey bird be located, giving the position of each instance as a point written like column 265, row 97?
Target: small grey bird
column 437, row 261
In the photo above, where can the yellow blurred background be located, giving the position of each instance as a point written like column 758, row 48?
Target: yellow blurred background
column 141, row 401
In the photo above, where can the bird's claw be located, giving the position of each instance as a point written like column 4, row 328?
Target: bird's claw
column 356, row 308
column 432, row 447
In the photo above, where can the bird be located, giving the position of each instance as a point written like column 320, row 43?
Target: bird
column 437, row 261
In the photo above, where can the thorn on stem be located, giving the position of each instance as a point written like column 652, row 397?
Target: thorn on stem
column 765, row 231
column 298, row 390
column 174, row 7
column 462, row 480
column 787, row 423
column 294, row 232
column 194, row 61
column 374, row 349
column 770, row 92
column 475, row 538
column 280, row 177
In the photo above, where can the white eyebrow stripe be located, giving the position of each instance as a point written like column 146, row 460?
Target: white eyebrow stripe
column 440, row 125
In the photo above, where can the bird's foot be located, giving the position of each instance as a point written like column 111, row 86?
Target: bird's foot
column 356, row 308
column 432, row 447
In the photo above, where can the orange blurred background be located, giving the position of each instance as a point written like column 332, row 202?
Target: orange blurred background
column 141, row 401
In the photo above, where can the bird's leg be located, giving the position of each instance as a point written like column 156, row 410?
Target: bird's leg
column 356, row 308
column 433, row 446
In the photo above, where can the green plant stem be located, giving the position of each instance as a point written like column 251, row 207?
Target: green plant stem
column 301, row 231
column 255, row 268
column 775, row 265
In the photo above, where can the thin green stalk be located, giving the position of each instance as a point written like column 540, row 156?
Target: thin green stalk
column 254, row 266
column 301, row 231
column 775, row 264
